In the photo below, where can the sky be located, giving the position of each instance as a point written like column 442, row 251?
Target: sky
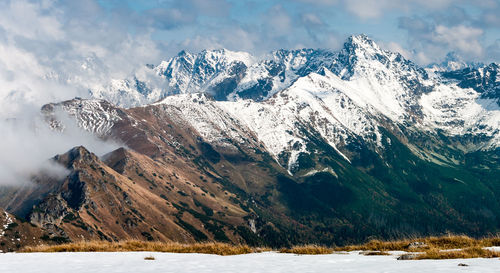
column 423, row 30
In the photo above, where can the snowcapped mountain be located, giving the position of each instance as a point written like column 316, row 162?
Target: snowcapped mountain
column 224, row 74
column 297, row 146
column 344, row 97
column 204, row 72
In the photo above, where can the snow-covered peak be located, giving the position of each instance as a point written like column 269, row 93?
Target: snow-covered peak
column 279, row 70
column 184, row 58
column 225, row 56
column 361, row 57
column 379, row 82
column 453, row 61
column 484, row 80
column 216, row 59
column 361, row 44
column 202, row 72
column 232, row 75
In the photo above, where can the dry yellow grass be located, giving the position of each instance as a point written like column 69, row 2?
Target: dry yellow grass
column 433, row 249
column 376, row 245
column 103, row 246
column 440, row 243
column 307, row 250
column 466, row 253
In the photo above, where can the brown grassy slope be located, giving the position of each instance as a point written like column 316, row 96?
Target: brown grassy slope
column 16, row 233
column 171, row 184
column 131, row 196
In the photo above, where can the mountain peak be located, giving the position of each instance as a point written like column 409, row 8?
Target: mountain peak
column 360, row 41
column 216, row 50
column 76, row 154
column 183, row 53
column 226, row 55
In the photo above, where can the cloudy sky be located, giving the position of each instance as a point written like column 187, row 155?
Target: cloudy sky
column 56, row 49
column 424, row 30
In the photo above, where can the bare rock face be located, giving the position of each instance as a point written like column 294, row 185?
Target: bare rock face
column 72, row 192
column 417, row 245
column 49, row 212
column 75, row 191
column 408, row 256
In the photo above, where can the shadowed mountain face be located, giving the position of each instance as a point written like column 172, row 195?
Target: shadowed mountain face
column 485, row 80
column 307, row 146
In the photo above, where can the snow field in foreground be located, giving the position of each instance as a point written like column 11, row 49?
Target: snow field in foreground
column 111, row 262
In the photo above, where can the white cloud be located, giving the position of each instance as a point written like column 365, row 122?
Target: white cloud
column 278, row 21
column 367, row 9
column 25, row 19
column 462, row 38
column 45, row 44
column 395, row 47
column 319, row 2
column 311, row 19
column 28, row 144
column 370, row 9
column 51, row 52
column 493, row 50
column 435, row 36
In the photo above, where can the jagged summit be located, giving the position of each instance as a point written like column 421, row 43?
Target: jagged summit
column 361, row 42
column 232, row 75
column 453, row 61
column 371, row 80
column 74, row 156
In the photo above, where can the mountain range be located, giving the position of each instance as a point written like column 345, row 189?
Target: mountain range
column 298, row 146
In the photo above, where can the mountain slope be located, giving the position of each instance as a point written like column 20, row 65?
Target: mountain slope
column 374, row 184
column 302, row 146
column 131, row 196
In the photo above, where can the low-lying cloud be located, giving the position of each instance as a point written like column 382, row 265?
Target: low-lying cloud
column 28, row 143
column 52, row 51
